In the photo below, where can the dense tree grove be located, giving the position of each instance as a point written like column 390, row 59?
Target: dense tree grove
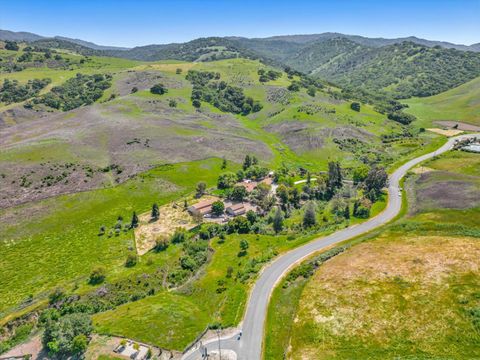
column 75, row 92
column 12, row 91
column 66, row 335
column 208, row 87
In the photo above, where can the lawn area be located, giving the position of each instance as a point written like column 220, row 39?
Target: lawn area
column 409, row 290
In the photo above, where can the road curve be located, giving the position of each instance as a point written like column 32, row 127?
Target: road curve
column 249, row 345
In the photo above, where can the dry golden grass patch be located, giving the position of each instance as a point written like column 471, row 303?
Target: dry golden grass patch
column 449, row 132
column 421, row 170
column 391, row 293
column 172, row 216
column 167, row 67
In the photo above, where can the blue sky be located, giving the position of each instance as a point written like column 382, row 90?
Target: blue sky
column 141, row 22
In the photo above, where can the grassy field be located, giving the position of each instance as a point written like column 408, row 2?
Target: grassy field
column 459, row 104
column 59, row 235
column 409, row 291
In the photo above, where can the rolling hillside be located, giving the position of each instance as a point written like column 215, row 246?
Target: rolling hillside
column 459, row 104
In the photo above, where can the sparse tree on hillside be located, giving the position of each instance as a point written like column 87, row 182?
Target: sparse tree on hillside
column 155, row 212
column 278, row 221
column 243, row 247
column 200, row 190
column 134, row 222
column 311, row 91
column 355, row 106
column 97, row 276
column 158, row 89
column 224, row 164
column 131, row 260
column 309, row 217
column 196, row 103
column 334, row 175
column 247, row 162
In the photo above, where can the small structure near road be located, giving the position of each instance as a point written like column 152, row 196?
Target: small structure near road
column 474, row 147
column 132, row 350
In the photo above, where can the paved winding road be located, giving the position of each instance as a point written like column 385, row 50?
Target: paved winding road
column 249, row 345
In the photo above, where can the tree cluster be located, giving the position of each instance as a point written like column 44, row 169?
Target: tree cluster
column 75, row 92
column 12, row 92
column 208, row 87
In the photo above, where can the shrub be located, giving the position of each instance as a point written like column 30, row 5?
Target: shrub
column 355, row 106
column 161, row 244
column 158, row 89
column 179, row 236
column 131, row 260
column 97, row 276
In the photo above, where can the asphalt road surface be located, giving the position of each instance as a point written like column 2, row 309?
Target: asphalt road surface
column 249, row 345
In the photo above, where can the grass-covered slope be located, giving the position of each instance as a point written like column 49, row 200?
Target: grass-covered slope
column 459, row 104
column 409, row 291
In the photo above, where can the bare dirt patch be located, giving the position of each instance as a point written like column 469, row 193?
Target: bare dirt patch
column 302, row 136
column 461, row 125
column 449, row 133
column 132, row 132
column 143, row 80
column 32, row 347
column 421, row 170
column 433, row 190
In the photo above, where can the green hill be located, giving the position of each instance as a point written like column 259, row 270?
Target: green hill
column 403, row 70
column 459, row 104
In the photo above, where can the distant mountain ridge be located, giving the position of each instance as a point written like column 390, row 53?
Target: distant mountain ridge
column 23, row 36
column 274, row 40
column 401, row 68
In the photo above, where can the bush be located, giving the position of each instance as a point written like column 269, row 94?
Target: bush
column 158, row 89
column 131, row 260
column 179, row 236
column 355, row 106
column 161, row 244
column 97, row 276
